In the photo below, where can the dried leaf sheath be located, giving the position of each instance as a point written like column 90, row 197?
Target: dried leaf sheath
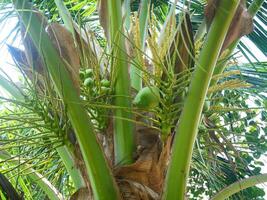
column 241, row 25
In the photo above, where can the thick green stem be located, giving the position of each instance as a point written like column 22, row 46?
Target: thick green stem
column 127, row 14
column 135, row 76
column 127, row 24
column 72, row 170
column 240, row 185
column 64, row 13
column 100, row 176
column 186, row 131
column 123, row 129
column 143, row 20
column 201, row 31
column 63, row 151
column 136, row 73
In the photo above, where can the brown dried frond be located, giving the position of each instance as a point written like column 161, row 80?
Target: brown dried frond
column 241, row 25
column 64, row 43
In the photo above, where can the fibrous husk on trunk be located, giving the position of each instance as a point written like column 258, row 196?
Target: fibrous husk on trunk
column 131, row 190
column 241, row 25
column 82, row 194
column 144, row 178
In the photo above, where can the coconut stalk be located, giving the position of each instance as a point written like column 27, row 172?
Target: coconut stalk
column 100, row 176
column 186, row 131
column 136, row 73
column 143, row 21
column 75, row 174
column 240, row 185
column 123, row 129
column 66, row 17
column 126, row 5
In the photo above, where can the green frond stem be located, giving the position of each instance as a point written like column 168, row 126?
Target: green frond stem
column 143, row 20
column 240, row 185
column 100, row 176
column 123, row 130
column 169, row 17
column 201, row 31
column 136, row 74
column 2, row 196
column 70, row 165
column 10, row 88
column 64, row 152
column 39, row 179
column 253, row 9
column 66, row 17
column 186, row 131
column 26, row 192
column 127, row 14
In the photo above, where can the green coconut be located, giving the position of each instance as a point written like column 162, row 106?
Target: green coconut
column 104, row 90
column 105, row 83
column 82, row 75
column 88, row 82
column 147, row 98
column 88, row 73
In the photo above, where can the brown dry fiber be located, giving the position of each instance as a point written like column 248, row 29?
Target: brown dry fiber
column 241, row 25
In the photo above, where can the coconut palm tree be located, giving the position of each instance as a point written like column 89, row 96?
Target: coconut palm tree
column 134, row 100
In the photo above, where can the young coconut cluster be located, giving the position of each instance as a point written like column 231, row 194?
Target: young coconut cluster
column 92, row 85
column 97, row 92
